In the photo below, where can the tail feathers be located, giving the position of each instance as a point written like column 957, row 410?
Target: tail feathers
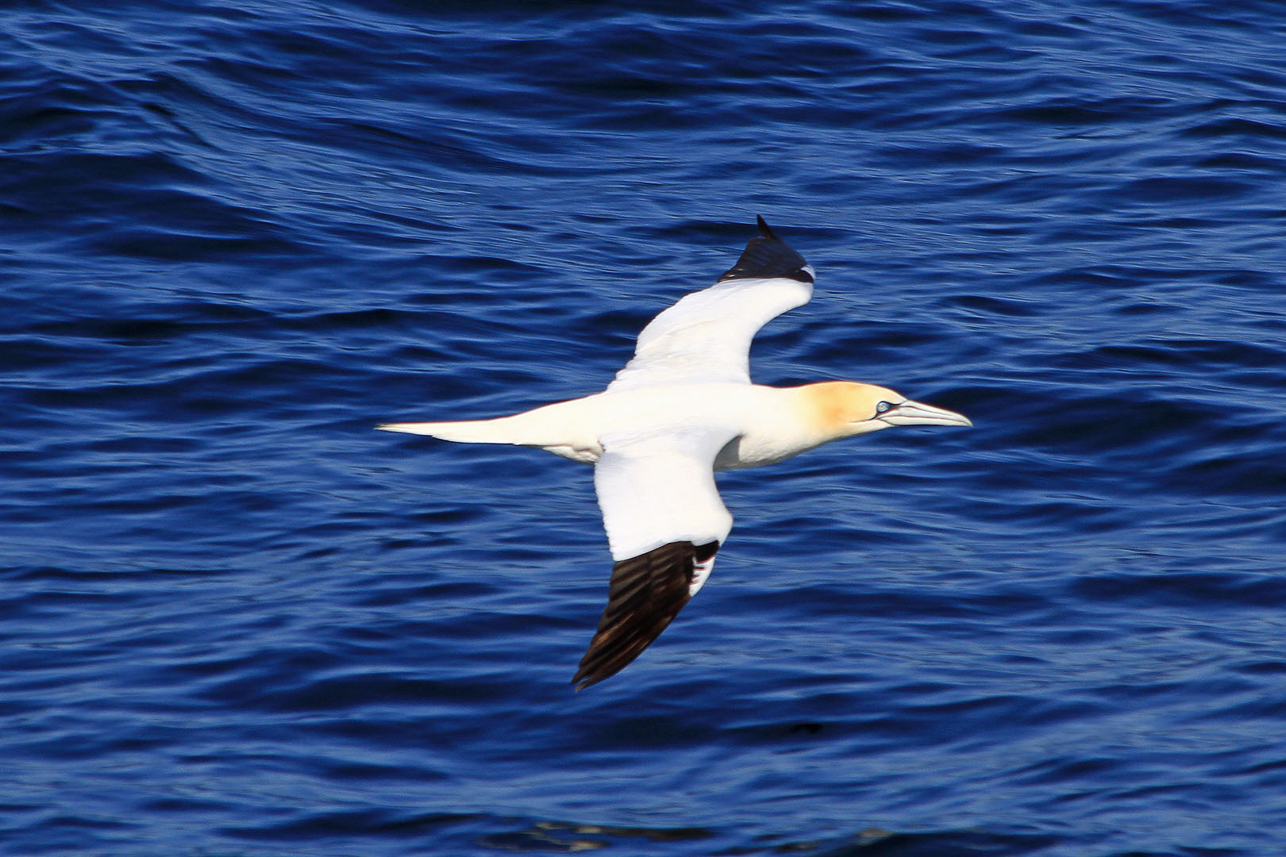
column 464, row 431
column 563, row 428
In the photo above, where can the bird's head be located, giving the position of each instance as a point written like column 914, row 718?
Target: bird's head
column 847, row 408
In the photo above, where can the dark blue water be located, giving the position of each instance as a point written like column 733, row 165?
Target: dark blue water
column 236, row 620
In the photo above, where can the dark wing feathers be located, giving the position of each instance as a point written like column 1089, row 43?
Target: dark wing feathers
column 646, row 593
column 768, row 257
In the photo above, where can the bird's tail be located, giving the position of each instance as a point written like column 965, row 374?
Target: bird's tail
column 500, row 430
column 563, row 428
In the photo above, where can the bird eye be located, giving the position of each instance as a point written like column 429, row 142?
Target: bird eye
column 882, row 407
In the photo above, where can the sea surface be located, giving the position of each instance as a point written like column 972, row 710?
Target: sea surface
column 237, row 621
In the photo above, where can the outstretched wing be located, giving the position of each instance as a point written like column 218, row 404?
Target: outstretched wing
column 664, row 522
column 706, row 336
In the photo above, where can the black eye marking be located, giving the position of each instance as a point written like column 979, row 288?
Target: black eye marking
column 882, row 407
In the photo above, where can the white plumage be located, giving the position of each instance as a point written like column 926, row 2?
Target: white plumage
column 706, row 336
column 681, row 409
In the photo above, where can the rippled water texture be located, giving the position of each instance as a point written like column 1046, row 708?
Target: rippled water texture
column 238, row 621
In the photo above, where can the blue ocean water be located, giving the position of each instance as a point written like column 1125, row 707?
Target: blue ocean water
column 235, row 620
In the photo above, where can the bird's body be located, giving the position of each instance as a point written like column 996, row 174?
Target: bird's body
column 681, row 409
column 764, row 425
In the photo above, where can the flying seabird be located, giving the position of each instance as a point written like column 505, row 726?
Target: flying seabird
column 681, row 409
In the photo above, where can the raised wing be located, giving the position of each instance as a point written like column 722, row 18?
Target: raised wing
column 664, row 522
column 706, row 336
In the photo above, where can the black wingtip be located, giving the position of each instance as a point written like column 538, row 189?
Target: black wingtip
column 767, row 256
column 646, row 593
column 766, row 230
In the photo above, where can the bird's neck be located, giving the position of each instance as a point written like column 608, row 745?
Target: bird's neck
column 784, row 422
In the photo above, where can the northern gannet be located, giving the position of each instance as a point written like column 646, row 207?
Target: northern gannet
column 681, row 409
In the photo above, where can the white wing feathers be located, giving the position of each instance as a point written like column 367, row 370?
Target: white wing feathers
column 657, row 489
column 706, row 336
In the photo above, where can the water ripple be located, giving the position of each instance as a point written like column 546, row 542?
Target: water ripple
column 237, row 619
